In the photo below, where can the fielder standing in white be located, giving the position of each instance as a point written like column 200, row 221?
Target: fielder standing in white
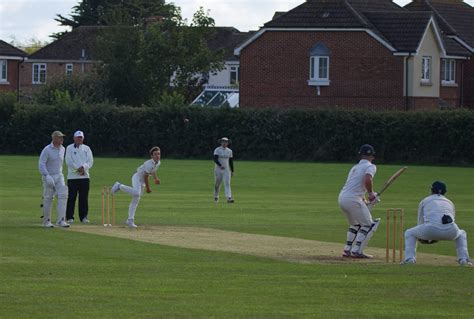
column 140, row 179
column 79, row 161
column 436, row 216
column 51, row 168
column 353, row 204
column 224, row 169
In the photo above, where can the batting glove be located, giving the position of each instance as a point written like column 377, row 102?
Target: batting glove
column 49, row 181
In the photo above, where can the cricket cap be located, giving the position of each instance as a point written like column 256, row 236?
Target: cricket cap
column 224, row 139
column 57, row 134
column 79, row 134
column 367, row 150
column 438, row 187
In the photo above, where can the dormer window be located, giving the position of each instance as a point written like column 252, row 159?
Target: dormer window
column 319, row 65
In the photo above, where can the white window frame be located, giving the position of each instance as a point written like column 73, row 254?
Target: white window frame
column 448, row 71
column 315, row 69
column 3, row 68
column 426, row 69
column 234, row 69
column 69, row 69
column 41, row 67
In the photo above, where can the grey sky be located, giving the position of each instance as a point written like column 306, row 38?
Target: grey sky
column 26, row 19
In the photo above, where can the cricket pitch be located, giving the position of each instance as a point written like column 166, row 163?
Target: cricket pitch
column 280, row 248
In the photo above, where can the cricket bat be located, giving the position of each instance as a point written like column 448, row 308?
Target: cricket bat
column 386, row 185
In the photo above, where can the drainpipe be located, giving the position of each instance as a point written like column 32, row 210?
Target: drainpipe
column 18, row 80
column 461, row 89
column 407, row 99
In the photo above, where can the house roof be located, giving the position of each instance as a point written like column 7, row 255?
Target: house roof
column 403, row 30
column 70, row 45
column 226, row 39
column 6, row 49
column 331, row 14
column 397, row 28
column 455, row 17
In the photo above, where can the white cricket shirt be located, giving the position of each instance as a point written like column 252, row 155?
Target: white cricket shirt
column 77, row 157
column 148, row 167
column 355, row 186
column 223, row 153
column 432, row 209
column 51, row 160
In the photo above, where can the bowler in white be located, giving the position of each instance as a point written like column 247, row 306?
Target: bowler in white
column 140, row 180
column 223, row 170
column 352, row 202
column 436, row 215
column 50, row 166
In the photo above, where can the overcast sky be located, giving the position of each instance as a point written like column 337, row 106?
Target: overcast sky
column 26, row 19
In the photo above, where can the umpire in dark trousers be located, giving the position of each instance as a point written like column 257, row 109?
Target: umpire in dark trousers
column 79, row 160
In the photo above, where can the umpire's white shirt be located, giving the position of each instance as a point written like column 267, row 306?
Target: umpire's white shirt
column 223, row 153
column 51, row 160
column 355, row 186
column 432, row 208
column 77, row 157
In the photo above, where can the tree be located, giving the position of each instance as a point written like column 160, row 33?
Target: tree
column 105, row 12
column 141, row 63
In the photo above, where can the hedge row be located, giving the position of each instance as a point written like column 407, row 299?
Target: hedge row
column 431, row 137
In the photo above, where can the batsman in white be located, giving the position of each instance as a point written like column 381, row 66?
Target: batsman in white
column 224, row 169
column 51, row 168
column 436, row 222
column 353, row 204
column 140, row 179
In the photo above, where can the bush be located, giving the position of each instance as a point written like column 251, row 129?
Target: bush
column 431, row 137
column 7, row 105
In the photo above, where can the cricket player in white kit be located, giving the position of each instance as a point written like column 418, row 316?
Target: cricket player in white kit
column 50, row 166
column 353, row 204
column 436, row 216
column 140, row 179
column 223, row 170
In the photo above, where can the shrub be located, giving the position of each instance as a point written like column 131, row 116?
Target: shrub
column 430, row 137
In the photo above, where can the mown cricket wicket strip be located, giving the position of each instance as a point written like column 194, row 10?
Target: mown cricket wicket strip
column 391, row 235
column 108, row 205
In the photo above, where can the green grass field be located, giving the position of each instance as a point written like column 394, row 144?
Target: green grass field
column 56, row 273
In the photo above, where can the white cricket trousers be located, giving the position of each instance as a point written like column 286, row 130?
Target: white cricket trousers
column 61, row 191
column 361, row 225
column 356, row 210
column 222, row 175
column 436, row 232
column 136, row 191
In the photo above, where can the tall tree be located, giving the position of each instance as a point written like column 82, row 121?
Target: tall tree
column 104, row 12
column 143, row 63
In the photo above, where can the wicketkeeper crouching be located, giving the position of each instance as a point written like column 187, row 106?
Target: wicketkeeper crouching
column 436, row 222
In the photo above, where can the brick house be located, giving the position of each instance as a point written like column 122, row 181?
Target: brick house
column 350, row 54
column 10, row 60
column 71, row 54
column 456, row 21
column 74, row 54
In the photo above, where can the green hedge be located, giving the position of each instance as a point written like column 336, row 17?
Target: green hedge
column 420, row 137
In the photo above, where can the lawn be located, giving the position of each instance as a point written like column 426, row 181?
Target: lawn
column 55, row 273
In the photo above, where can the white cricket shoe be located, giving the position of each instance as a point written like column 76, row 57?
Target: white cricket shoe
column 70, row 221
column 409, row 261
column 130, row 223
column 216, row 199
column 465, row 262
column 48, row 224
column 115, row 188
column 85, row 220
column 358, row 255
column 62, row 223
